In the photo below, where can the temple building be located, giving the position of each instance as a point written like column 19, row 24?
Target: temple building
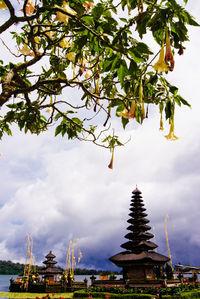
column 139, row 260
column 50, row 272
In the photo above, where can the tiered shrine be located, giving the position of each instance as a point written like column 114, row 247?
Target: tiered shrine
column 50, row 272
column 139, row 260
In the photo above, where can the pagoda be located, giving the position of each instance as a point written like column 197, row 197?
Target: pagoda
column 139, row 260
column 50, row 271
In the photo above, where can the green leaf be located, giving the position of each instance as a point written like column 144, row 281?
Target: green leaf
column 125, row 121
column 142, row 20
column 97, row 11
column 168, row 109
column 88, row 20
column 143, row 48
column 173, row 89
column 189, row 19
column 123, row 20
column 122, row 72
column 58, row 130
column 137, row 59
column 58, row 115
column 133, row 68
column 180, row 29
column 182, row 100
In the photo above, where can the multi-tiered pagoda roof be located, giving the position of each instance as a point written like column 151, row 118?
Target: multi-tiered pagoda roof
column 138, row 248
column 50, row 268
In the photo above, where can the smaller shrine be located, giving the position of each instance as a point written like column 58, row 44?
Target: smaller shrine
column 49, row 279
column 50, row 273
column 139, row 261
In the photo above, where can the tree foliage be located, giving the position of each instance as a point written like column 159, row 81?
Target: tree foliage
column 76, row 64
column 10, row 268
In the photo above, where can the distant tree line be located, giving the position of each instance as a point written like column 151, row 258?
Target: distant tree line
column 10, row 268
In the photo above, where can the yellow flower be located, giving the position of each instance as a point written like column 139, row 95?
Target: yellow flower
column 161, row 65
column 3, row 5
column 68, row 9
column 128, row 114
column 171, row 135
column 61, row 16
column 37, row 39
column 71, row 56
column 64, row 43
column 30, row 7
column 25, row 50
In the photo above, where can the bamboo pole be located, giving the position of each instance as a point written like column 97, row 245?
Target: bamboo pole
column 166, row 235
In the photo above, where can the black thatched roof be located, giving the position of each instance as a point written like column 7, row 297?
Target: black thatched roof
column 50, row 269
column 138, row 247
column 122, row 258
column 50, row 255
column 138, row 237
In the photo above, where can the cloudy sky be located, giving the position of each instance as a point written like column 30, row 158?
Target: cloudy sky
column 57, row 190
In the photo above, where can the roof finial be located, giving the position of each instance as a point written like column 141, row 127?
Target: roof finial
column 136, row 190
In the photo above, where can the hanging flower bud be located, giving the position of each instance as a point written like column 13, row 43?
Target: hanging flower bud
column 180, row 51
column 171, row 135
column 161, row 107
column 111, row 160
column 3, row 5
column 97, row 90
column 169, row 55
column 141, row 92
column 161, row 65
column 161, row 123
column 143, row 111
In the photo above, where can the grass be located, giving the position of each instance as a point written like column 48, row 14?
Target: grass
column 20, row 295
